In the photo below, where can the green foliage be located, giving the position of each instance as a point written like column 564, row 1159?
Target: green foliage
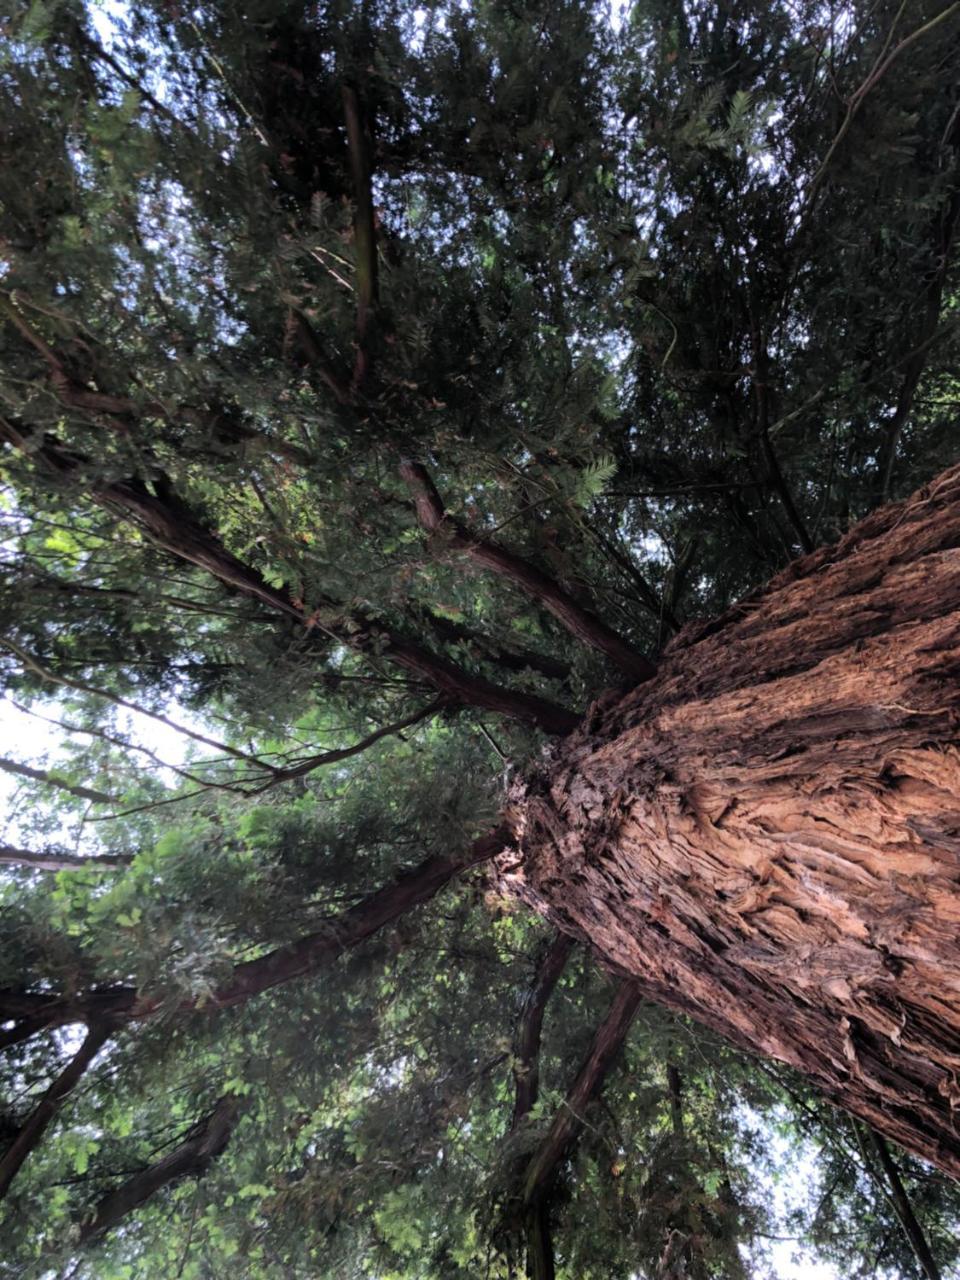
column 656, row 309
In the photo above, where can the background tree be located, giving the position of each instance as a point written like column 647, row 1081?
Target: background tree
column 380, row 386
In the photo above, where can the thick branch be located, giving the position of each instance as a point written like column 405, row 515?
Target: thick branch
column 205, row 1143
column 116, row 1006
column 54, row 780
column 360, row 922
column 569, row 1119
column 526, row 1069
column 580, row 622
column 12, row 857
column 29, row 1136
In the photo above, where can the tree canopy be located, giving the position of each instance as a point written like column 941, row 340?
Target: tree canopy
column 380, row 384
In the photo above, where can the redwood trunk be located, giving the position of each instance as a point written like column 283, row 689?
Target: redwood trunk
column 767, row 835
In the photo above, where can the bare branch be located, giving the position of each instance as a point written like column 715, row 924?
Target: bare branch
column 54, row 780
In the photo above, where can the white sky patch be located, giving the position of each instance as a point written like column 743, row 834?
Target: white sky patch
column 29, row 739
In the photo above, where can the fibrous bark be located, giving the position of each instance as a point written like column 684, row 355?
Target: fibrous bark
column 767, row 835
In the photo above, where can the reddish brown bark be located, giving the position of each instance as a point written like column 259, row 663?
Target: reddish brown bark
column 767, row 835
column 580, row 622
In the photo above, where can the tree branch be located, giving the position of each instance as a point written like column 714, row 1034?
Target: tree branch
column 568, row 1122
column 54, row 780
column 33, row 1129
column 580, row 622
column 51, row 861
column 205, row 1143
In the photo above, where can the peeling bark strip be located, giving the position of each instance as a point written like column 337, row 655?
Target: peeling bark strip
column 767, row 835
column 580, row 622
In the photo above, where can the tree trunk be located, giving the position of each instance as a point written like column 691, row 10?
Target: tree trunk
column 767, row 835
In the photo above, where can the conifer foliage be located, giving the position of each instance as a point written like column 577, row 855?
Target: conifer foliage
column 382, row 384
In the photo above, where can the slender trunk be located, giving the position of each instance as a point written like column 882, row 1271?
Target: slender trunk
column 534, row 1219
column 364, row 233
column 569, row 1120
column 540, row 1260
column 897, row 1194
column 675, row 1089
column 526, row 1071
column 766, row 835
